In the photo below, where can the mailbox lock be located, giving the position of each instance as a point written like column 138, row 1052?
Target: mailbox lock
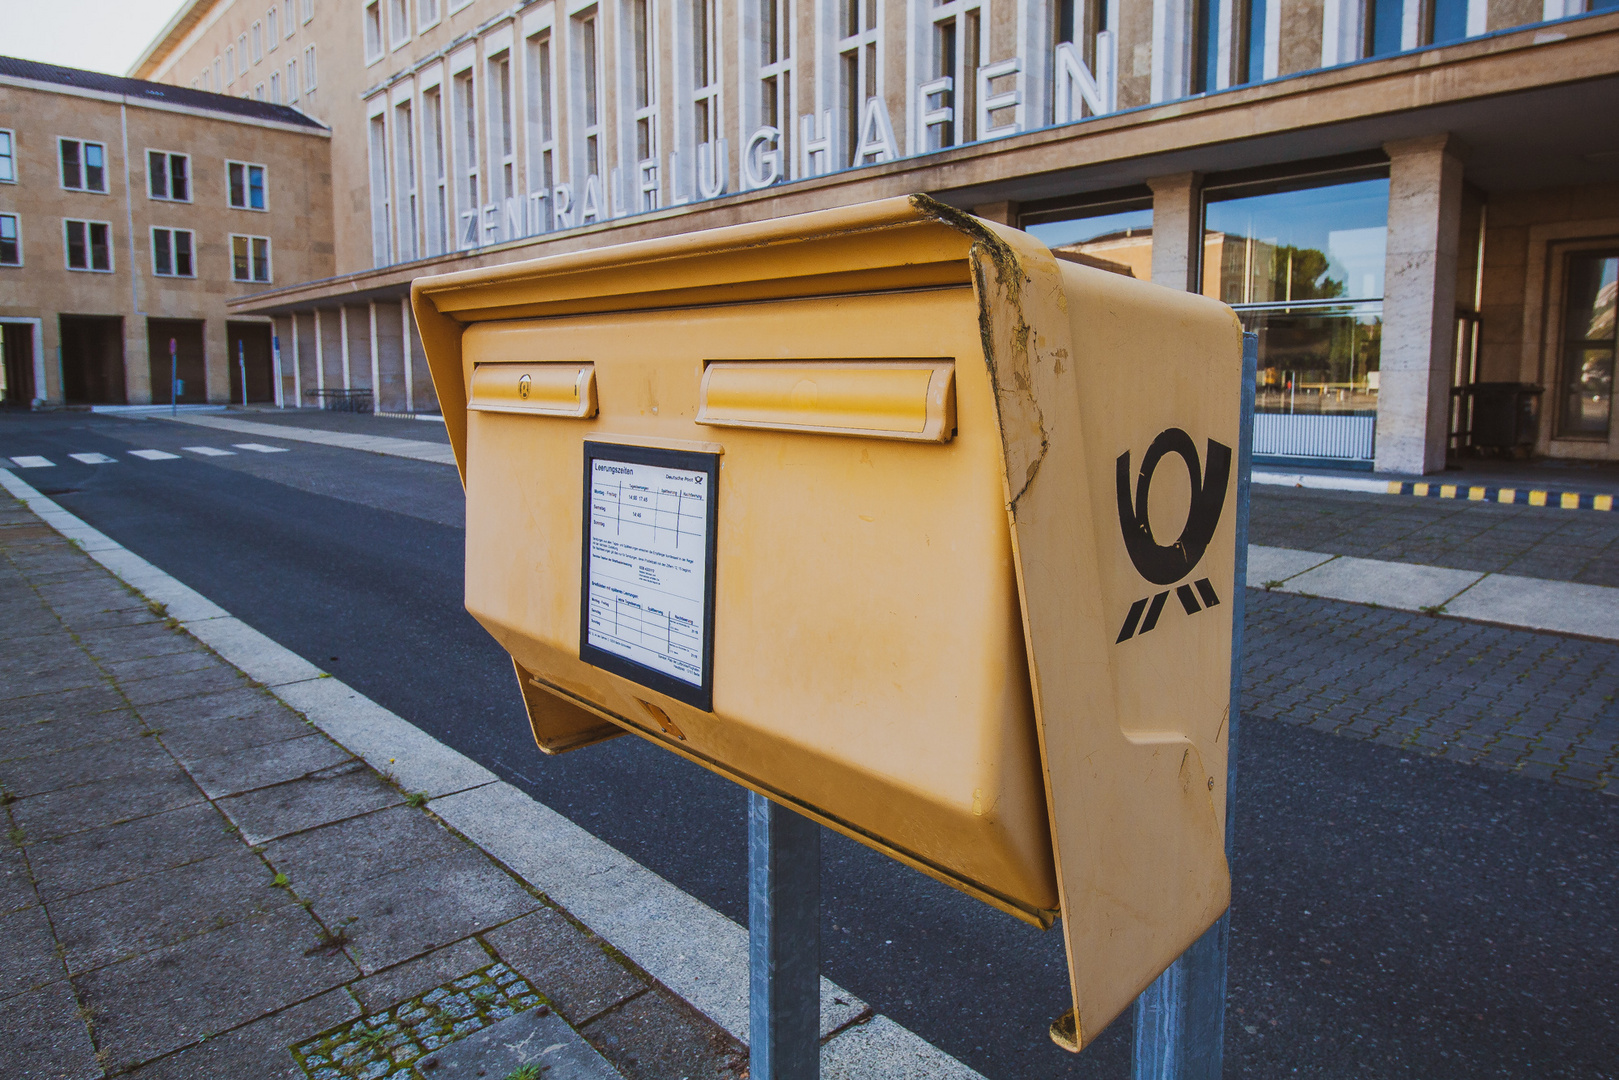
column 523, row 385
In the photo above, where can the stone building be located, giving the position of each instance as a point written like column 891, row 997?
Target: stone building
column 131, row 212
column 1403, row 197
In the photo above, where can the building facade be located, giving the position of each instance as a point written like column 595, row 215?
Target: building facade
column 1404, row 198
column 130, row 214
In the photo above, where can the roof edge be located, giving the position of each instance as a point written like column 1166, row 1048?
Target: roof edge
column 188, row 16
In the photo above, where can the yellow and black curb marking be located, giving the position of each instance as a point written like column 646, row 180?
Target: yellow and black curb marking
column 1566, row 500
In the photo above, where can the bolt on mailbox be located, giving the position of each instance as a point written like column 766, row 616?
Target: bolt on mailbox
column 892, row 516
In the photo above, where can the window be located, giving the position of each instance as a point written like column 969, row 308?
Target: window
column 705, row 82
column 398, row 23
column 230, row 64
column 8, row 158
column 405, row 179
column 857, row 83
column 1114, row 235
column 84, row 166
column 1589, row 345
column 10, row 241
column 503, row 151
column 246, row 183
column 542, row 143
column 642, row 184
column 1205, row 46
column 775, row 67
column 464, row 144
column 585, row 105
column 241, row 53
column 89, row 245
column 218, row 84
column 309, row 9
column 258, row 42
column 373, row 31
column 250, row 258
column 309, row 69
column 292, row 80
column 433, row 171
column 258, row 92
column 168, row 175
column 950, row 105
column 426, row 14
column 275, row 87
column 272, row 26
column 171, row 253
column 377, row 139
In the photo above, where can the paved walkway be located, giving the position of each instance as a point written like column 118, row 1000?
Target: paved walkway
column 418, row 449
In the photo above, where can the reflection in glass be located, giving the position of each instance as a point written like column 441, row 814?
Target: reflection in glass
column 1589, row 345
column 1322, row 360
column 1104, row 237
column 1320, row 243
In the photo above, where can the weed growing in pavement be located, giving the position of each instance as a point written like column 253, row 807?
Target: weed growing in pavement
column 7, row 798
column 525, row 1072
column 172, row 623
column 280, row 881
column 328, row 942
column 417, row 799
column 160, row 610
column 17, row 837
column 1433, row 609
column 1270, row 585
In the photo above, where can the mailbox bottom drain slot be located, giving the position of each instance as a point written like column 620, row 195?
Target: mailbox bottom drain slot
column 669, row 727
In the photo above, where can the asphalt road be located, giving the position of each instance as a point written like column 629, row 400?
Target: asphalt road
column 1393, row 915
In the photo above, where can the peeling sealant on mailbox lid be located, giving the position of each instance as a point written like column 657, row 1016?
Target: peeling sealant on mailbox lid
column 867, row 510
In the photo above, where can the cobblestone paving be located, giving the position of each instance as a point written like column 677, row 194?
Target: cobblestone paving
column 387, row 1046
column 1537, row 704
column 1534, row 541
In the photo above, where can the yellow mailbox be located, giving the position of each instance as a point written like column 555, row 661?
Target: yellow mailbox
column 872, row 511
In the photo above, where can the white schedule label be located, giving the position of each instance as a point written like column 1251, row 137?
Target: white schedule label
column 648, row 566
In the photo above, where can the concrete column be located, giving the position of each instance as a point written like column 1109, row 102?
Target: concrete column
column 137, row 365
column 1002, row 213
column 1419, row 304
column 1177, row 229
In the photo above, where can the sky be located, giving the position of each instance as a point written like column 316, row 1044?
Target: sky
column 102, row 35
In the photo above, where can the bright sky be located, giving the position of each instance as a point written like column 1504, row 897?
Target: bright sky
column 102, row 35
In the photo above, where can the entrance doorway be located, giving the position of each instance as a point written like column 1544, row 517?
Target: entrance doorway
column 93, row 360
column 190, row 368
column 250, row 355
column 17, row 371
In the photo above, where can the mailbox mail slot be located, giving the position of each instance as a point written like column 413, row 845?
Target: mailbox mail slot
column 888, row 514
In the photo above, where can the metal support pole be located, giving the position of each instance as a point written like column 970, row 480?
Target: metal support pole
column 784, row 943
column 1180, row 1018
column 174, row 379
column 241, row 366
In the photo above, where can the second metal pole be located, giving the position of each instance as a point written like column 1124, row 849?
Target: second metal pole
column 784, row 943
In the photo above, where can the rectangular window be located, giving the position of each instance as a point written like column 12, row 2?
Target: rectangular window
column 775, row 67
column 275, row 88
column 377, row 139
column 89, row 245
column 218, row 84
column 434, row 171
column 585, row 105
column 503, row 147
column 272, row 26
column 10, row 241
column 258, row 92
column 1205, row 46
column 172, row 253
column 1115, row 236
column 857, row 55
column 84, row 165
column 230, row 64
column 241, row 53
column 951, row 107
column 246, row 185
column 250, row 258
column 398, row 23
column 168, row 175
column 292, row 80
column 405, row 179
column 464, row 144
column 541, row 141
column 309, row 9
column 8, row 158
column 705, row 89
column 426, row 14
column 1590, row 341
column 373, row 31
column 258, row 42
column 309, row 69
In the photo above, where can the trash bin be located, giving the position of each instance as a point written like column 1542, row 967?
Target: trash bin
column 1504, row 416
column 889, row 515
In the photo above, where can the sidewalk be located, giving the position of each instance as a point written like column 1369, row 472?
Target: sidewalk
column 199, row 883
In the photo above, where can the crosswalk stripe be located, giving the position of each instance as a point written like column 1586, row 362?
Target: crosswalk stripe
column 154, row 455
column 93, row 459
column 209, row 451
column 260, row 447
column 29, row 461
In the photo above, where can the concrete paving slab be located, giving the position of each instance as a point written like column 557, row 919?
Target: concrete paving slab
column 230, row 977
column 97, row 857
column 246, row 648
column 332, row 795
column 45, row 1039
column 1386, row 584
column 52, row 771
column 264, row 765
column 657, row 1035
column 28, row 961
column 250, row 706
column 255, row 1051
column 92, row 806
column 1266, row 564
column 184, row 662
column 537, row 1037
column 133, row 642
column 16, row 883
column 180, row 601
column 1560, row 606
column 565, row 963
column 88, row 711
column 391, row 744
column 192, row 743
column 335, row 857
column 409, row 912
column 183, row 686
column 120, row 921
column 419, row 975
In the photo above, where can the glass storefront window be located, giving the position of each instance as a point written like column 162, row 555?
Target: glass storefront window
column 1589, row 344
column 1320, row 360
column 1114, row 236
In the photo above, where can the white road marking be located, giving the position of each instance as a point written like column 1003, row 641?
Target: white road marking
column 93, row 459
column 28, row 461
column 260, row 447
column 154, row 455
column 209, row 451
column 438, row 453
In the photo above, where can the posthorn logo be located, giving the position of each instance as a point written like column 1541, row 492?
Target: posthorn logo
column 523, row 385
column 1167, row 564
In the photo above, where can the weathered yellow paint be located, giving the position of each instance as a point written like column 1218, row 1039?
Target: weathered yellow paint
column 547, row 389
column 916, row 639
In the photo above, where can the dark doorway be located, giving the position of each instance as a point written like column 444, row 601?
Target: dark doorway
column 93, row 360
column 250, row 350
column 190, row 368
column 17, row 372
